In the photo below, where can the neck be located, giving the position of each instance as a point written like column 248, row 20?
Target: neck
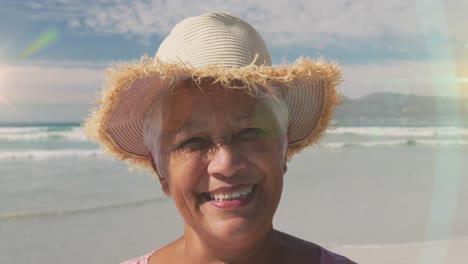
column 196, row 249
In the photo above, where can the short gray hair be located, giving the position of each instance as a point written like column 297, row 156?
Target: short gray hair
column 155, row 116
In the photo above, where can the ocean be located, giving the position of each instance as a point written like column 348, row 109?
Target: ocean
column 63, row 199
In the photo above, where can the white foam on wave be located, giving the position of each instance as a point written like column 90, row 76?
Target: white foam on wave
column 16, row 137
column 363, row 144
column 392, row 143
column 50, row 154
column 75, row 134
column 442, row 142
column 40, row 133
column 22, row 130
column 400, row 131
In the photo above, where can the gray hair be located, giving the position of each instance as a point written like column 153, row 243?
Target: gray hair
column 156, row 116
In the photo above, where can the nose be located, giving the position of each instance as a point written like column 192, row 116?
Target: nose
column 226, row 161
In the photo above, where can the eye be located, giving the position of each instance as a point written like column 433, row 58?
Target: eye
column 250, row 133
column 195, row 143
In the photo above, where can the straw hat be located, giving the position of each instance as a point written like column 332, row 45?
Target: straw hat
column 222, row 47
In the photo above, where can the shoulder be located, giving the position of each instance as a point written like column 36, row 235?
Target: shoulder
column 301, row 251
column 291, row 249
column 328, row 257
column 140, row 260
column 165, row 254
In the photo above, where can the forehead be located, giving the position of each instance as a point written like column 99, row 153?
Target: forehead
column 201, row 103
column 211, row 95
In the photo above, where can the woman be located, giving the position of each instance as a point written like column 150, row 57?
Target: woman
column 217, row 124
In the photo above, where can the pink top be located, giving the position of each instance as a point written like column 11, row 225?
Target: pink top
column 327, row 257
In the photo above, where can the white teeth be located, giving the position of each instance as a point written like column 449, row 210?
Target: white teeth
column 246, row 190
column 237, row 194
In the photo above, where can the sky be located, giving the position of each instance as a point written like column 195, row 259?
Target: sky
column 53, row 53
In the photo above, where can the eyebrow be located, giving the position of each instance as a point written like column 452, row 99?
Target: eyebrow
column 246, row 116
column 190, row 124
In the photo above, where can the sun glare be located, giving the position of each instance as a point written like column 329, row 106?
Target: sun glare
column 3, row 98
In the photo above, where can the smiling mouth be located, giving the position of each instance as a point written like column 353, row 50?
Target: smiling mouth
column 231, row 196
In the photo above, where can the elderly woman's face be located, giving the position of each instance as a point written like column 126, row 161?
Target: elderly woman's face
column 222, row 157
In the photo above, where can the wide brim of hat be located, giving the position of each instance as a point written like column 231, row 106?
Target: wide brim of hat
column 309, row 88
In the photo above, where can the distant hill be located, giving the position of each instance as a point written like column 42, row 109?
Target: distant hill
column 392, row 109
column 376, row 109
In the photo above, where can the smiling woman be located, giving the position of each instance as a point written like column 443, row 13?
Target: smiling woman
column 217, row 124
column 227, row 135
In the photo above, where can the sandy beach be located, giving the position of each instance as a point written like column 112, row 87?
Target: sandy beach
column 117, row 234
column 78, row 206
column 440, row 252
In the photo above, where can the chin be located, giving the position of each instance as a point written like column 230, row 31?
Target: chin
column 237, row 231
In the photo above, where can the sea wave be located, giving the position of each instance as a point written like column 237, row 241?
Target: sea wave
column 49, row 154
column 92, row 153
column 15, row 130
column 400, row 131
column 42, row 133
column 11, row 216
column 75, row 133
column 392, row 143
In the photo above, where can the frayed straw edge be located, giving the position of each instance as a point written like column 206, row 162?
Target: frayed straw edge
column 122, row 74
column 332, row 100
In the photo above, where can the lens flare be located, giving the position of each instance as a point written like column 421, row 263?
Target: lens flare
column 44, row 40
column 448, row 164
column 3, row 99
column 451, row 80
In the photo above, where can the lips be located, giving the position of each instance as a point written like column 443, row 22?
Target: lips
column 230, row 194
column 232, row 199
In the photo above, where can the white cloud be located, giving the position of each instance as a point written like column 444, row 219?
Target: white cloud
column 49, row 84
column 282, row 22
column 74, row 23
column 437, row 78
column 61, row 83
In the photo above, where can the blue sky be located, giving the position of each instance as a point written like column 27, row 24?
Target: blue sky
column 402, row 46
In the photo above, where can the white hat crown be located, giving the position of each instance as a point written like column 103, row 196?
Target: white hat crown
column 214, row 39
column 217, row 46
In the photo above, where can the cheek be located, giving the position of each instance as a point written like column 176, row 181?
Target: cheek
column 186, row 182
column 268, row 158
column 265, row 153
column 270, row 163
column 187, row 175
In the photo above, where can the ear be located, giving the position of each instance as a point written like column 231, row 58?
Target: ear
column 162, row 180
column 285, row 164
column 285, row 160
